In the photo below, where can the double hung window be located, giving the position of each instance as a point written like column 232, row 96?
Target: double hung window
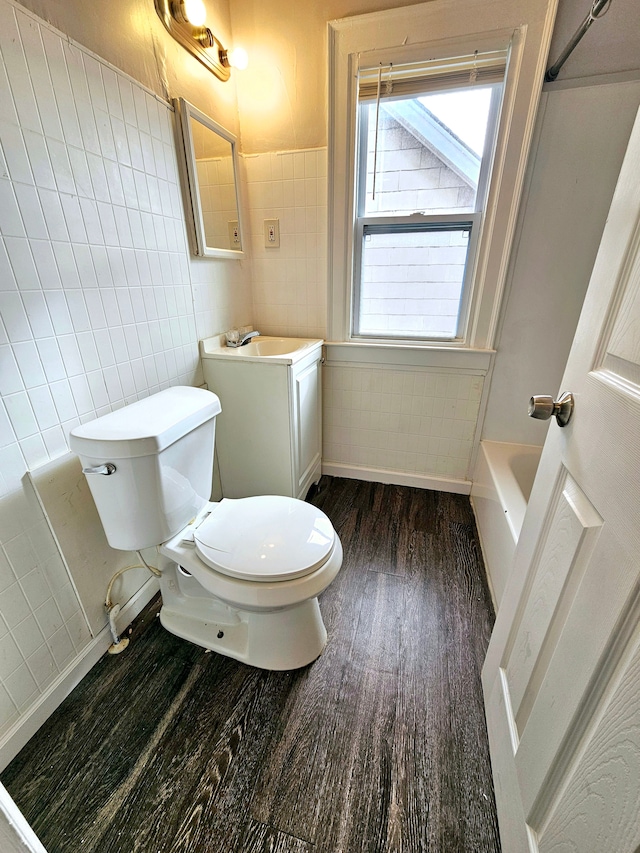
column 426, row 134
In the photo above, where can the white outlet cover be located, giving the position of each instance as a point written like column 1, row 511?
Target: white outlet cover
column 234, row 234
column 272, row 233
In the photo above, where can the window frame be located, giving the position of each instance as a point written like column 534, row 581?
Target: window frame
column 524, row 28
column 420, row 222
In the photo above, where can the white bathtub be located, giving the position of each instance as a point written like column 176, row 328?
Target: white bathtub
column 502, row 483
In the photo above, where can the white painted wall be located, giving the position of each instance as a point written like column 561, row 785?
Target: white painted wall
column 583, row 126
column 609, row 47
column 581, row 139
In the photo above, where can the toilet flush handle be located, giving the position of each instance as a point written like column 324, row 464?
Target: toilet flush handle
column 106, row 469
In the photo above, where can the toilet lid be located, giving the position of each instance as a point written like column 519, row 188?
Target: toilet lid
column 268, row 538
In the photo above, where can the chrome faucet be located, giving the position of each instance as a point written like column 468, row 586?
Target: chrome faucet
column 242, row 339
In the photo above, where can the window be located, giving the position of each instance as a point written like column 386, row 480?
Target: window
column 403, row 38
column 425, row 139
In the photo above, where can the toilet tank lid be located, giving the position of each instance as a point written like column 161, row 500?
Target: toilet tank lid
column 147, row 426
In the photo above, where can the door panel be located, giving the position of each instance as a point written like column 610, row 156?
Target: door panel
column 623, row 339
column 600, row 808
column 579, row 661
column 568, row 537
column 561, row 675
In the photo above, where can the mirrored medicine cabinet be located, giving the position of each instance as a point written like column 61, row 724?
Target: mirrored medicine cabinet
column 211, row 170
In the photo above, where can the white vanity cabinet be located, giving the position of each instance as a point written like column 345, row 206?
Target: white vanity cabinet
column 269, row 434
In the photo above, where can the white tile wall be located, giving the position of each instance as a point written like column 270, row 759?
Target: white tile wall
column 216, row 183
column 414, row 421
column 100, row 304
column 289, row 283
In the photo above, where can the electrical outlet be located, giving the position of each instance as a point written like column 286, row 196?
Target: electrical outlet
column 272, row 233
column 234, row 234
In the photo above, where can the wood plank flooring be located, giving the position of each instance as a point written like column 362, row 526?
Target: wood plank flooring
column 380, row 745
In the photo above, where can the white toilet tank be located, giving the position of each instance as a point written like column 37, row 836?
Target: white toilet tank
column 162, row 450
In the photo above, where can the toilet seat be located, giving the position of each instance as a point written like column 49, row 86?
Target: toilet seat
column 264, row 539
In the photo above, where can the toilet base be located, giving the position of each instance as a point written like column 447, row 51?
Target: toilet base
column 280, row 639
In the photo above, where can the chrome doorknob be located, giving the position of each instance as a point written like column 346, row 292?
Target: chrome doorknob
column 542, row 406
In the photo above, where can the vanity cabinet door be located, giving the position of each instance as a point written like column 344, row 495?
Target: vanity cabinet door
column 306, row 425
column 269, row 434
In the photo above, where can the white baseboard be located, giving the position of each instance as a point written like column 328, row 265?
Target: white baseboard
column 57, row 692
column 396, row 478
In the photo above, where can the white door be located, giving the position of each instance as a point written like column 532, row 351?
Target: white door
column 562, row 674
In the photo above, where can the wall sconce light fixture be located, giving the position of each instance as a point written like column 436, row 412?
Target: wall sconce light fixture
column 185, row 20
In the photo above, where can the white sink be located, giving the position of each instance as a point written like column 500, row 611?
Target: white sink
column 263, row 347
column 271, row 346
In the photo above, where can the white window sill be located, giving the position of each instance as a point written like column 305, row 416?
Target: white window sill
column 416, row 355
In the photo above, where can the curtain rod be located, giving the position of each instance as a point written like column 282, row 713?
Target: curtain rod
column 595, row 13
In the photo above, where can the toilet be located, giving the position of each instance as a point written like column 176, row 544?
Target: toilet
column 240, row 577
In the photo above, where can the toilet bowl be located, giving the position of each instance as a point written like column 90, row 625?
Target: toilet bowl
column 244, row 577
column 240, row 577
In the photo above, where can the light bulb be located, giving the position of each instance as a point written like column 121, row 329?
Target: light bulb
column 238, row 58
column 195, row 12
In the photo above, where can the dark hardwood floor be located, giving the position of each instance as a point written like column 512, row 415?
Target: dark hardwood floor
column 380, row 745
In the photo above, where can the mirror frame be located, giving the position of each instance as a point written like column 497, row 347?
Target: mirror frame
column 185, row 111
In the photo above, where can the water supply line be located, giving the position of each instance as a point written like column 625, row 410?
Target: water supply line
column 598, row 10
column 120, row 644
